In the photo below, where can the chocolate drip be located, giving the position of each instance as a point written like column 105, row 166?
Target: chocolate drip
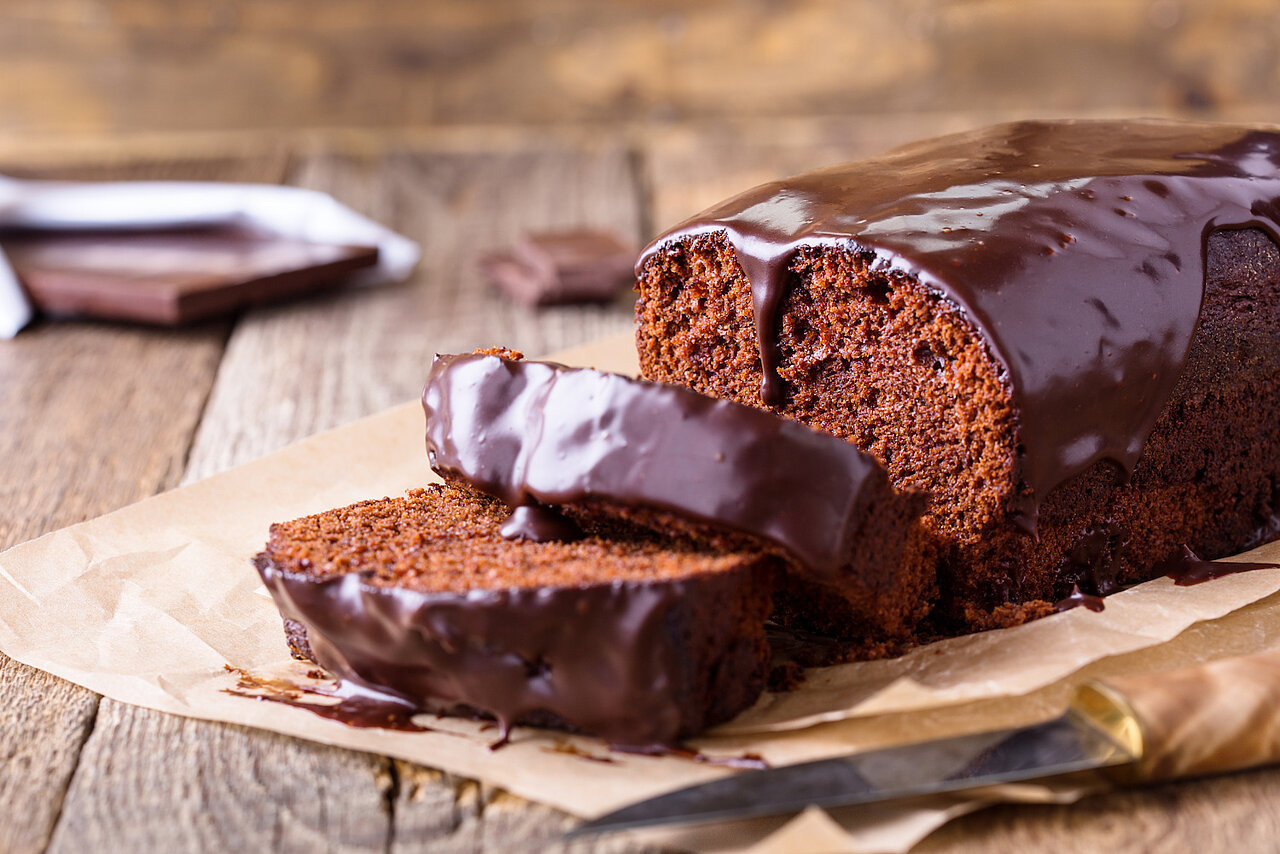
column 1079, row 599
column 533, row 431
column 539, row 524
column 1076, row 249
column 356, row 707
column 1095, row 560
column 1187, row 568
column 364, row 711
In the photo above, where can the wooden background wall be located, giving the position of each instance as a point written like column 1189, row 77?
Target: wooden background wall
column 94, row 67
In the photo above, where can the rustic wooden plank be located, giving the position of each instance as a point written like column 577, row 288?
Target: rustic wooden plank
column 215, row 787
column 103, row 65
column 1232, row 813
column 453, row 815
column 288, row 372
column 432, row 805
column 43, row 724
column 92, row 416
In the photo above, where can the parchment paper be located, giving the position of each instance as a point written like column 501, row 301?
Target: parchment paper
column 149, row 604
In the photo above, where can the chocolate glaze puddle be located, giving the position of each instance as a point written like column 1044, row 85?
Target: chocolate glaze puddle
column 572, row 750
column 1076, row 248
column 746, row 761
column 1077, row 598
column 1187, row 568
column 355, row 707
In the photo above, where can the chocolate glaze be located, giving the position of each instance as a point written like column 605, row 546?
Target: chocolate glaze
column 570, row 749
column 515, row 653
column 356, row 706
column 535, row 431
column 1094, row 562
column 746, row 761
column 1077, row 598
column 539, row 524
column 1076, row 249
column 1187, row 568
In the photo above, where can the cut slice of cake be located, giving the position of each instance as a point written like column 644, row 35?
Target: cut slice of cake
column 621, row 633
column 604, row 446
column 1066, row 334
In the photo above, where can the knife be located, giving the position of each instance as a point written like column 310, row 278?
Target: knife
column 1204, row 719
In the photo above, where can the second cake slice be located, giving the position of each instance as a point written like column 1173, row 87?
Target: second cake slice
column 601, row 445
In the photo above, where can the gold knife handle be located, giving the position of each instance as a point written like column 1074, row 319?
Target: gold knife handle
column 1205, row 719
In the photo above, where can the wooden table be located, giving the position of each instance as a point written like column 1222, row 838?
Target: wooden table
column 94, row 416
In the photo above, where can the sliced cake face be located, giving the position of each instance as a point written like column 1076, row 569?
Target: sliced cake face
column 867, row 355
column 600, row 445
column 448, row 540
column 1006, row 317
column 617, row 634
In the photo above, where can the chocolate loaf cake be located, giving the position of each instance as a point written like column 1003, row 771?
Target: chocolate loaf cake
column 621, row 633
column 603, row 446
column 1067, row 334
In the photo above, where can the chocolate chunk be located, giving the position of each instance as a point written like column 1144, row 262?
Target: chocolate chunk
column 171, row 277
column 550, row 268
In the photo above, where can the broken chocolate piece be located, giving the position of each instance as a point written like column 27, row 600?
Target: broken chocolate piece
column 550, row 268
column 175, row 276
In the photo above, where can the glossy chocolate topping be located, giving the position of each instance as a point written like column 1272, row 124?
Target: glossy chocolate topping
column 356, row 706
column 1077, row 598
column 516, row 653
column 1188, row 568
column 538, row 432
column 539, row 524
column 1077, row 250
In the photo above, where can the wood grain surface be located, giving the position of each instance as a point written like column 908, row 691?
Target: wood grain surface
column 129, row 65
column 93, row 416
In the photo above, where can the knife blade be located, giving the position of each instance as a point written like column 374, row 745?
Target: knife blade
column 1064, row 745
column 1203, row 719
